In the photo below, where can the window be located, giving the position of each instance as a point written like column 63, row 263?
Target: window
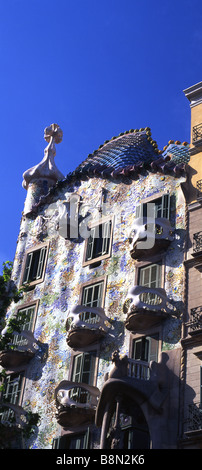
column 34, row 267
column 11, row 394
column 92, row 296
column 162, row 207
column 83, row 371
column 145, row 348
column 72, row 441
column 134, row 430
column 98, row 244
column 27, row 316
column 150, row 276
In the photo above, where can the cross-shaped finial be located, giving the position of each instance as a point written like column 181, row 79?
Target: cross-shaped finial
column 53, row 131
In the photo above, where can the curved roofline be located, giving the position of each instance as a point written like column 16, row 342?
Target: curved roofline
column 126, row 162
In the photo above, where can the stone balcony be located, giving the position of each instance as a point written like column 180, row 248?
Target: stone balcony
column 129, row 384
column 149, row 238
column 19, row 352
column 76, row 403
column 89, row 325
column 146, row 307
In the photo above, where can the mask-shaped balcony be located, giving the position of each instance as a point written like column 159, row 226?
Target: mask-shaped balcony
column 76, row 403
column 148, row 238
column 128, row 384
column 13, row 413
column 88, row 325
column 146, row 307
column 19, row 351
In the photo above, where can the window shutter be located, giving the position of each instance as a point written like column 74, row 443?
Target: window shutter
column 86, row 439
column 106, row 232
column 77, row 368
column 90, row 244
column 41, row 262
column 26, row 276
column 153, row 348
column 166, row 206
column 138, row 212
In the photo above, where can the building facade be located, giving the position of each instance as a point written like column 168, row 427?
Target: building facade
column 192, row 332
column 105, row 260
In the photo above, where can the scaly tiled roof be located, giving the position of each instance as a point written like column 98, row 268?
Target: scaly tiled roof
column 130, row 148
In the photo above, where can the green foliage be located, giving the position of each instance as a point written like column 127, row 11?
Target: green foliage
column 2, row 380
column 32, row 420
column 13, row 324
column 8, row 291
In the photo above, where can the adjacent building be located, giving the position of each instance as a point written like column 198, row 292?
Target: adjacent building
column 109, row 259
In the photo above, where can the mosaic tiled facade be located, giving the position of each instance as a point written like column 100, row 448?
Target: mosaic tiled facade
column 144, row 326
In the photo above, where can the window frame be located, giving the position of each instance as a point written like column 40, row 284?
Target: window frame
column 149, row 333
column 145, row 345
column 93, row 226
column 139, row 212
column 65, row 441
column 157, row 259
column 151, row 298
column 27, row 305
column 100, row 300
column 10, row 377
column 92, row 282
column 87, row 349
column 28, row 252
column 76, row 392
column 158, row 279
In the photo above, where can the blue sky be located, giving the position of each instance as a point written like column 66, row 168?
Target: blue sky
column 96, row 69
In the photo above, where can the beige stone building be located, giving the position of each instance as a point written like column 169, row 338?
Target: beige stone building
column 192, row 334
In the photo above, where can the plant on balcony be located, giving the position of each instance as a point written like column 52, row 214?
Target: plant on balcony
column 13, row 325
column 8, row 291
column 11, row 429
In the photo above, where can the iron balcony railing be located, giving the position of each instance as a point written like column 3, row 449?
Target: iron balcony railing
column 197, row 132
column 195, row 323
column 197, row 242
column 199, row 188
column 194, row 419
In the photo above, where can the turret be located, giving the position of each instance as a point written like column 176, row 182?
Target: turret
column 40, row 178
